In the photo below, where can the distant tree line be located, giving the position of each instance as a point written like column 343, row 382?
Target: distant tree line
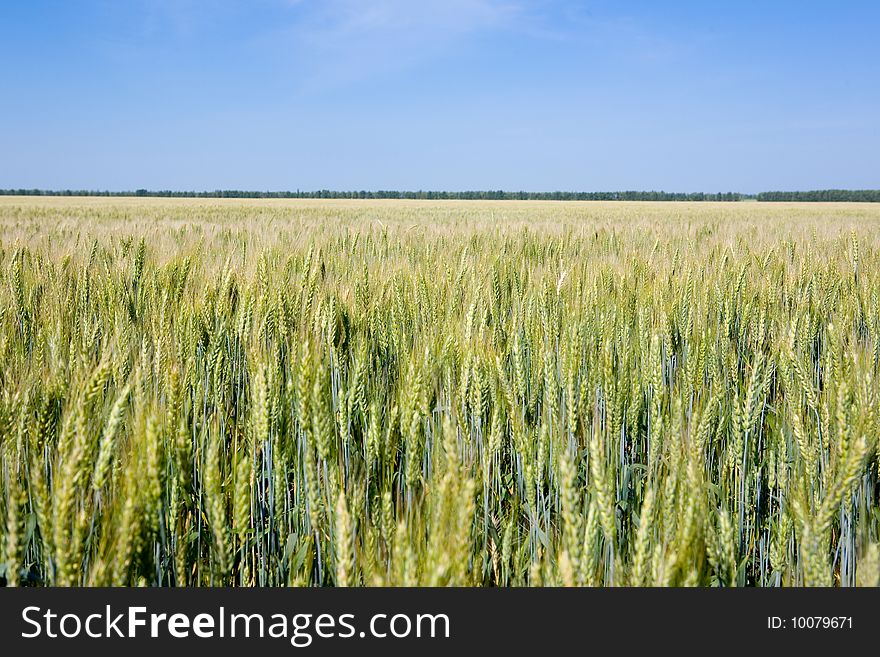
column 861, row 195
column 490, row 195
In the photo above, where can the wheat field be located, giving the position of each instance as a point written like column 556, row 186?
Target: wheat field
column 316, row 393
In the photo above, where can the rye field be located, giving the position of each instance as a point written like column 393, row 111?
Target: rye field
column 316, row 393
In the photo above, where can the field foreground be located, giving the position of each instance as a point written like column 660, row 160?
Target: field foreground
column 203, row 392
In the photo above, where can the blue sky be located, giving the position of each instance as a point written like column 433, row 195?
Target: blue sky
column 440, row 94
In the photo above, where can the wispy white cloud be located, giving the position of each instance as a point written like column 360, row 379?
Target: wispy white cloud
column 339, row 40
column 400, row 16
